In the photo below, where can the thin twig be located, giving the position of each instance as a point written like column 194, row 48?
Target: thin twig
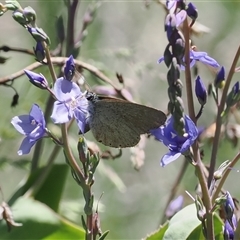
column 175, row 187
column 70, row 26
column 60, row 61
column 5, row 48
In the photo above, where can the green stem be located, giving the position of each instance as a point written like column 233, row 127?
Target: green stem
column 199, row 166
column 49, row 62
column 69, row 154
column 219, row 119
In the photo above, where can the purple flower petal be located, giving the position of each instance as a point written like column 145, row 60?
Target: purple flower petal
column 180, row 17
column 160, row 60
column 71, row 103
column 61, row 113
column 22, row 124
column 64, row 90
column 169, row 157
column 176, row 144
column 25, row 146
column 198, row 56
column 37, row 114
column 32, row 126
column 69, row 69
column 174, row 206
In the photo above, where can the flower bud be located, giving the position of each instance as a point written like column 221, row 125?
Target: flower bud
column 220, row 78
column 37, row 79
column 12, row 5
column 69, row 69
column 234, row 96
column 38, row 34
column 228, row 206
column 192, row 11
column 201, row 91
column 20, row 18
column 39, row 52
column 228, row 232
column 30, row 15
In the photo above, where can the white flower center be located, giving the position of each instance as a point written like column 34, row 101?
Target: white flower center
column 33, row 122
column 173, row 135
column 73, row 103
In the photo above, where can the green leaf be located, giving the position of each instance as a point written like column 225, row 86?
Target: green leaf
column 39, row 222
column 104, row 235
column 186, row 225
column 197, row 232
column 159, row 233
column 50, row 191
column 182, row 224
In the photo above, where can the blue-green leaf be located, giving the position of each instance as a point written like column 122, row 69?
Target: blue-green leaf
column 159, row 233
column 39, row 222
column 182, row 223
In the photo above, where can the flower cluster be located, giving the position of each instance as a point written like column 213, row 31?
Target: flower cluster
column 177, row 144
column 70, row 102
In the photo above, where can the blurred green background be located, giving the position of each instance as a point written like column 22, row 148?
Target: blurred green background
column 128, row 38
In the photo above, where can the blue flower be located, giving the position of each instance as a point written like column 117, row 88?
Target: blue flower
column 69, row 69
column 201, row 91
column 174, row 206
column 70, row 103
column 198, row 56
column 37, row 79
column 177, row 145
column 32, row 126
column 228, row 229
column 228, row 206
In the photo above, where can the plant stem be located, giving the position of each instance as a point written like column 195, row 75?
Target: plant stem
column 70, row 27
column 219, row 119
column 197, row 159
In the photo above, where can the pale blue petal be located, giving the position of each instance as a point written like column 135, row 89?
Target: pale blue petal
column 37, row 133
column 209, row 61
column 22, row 124
column 169, row 157
column 160, row 60
column 81, row 119
column 25, row 146
column 37, row 114
column 180, row 17
column 161, row 135
column 60, row 113
column 64, row 90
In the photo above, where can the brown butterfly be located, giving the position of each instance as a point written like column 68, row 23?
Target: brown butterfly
column 118, row 123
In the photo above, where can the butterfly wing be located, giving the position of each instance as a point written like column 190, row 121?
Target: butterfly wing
column 118, row 123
